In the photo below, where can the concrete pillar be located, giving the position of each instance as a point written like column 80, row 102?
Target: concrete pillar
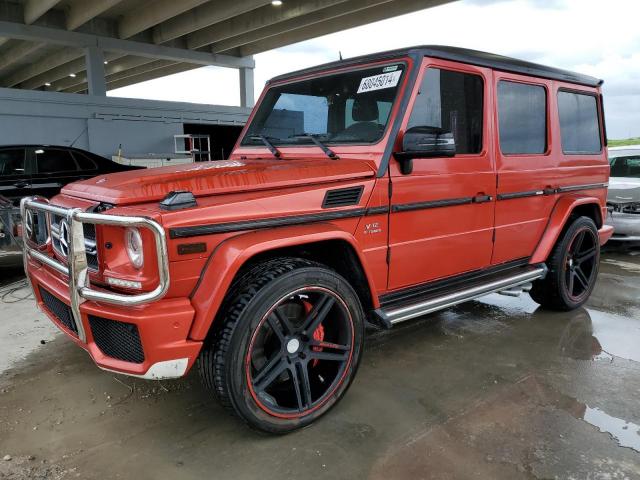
column 94, row 60
column 246, row 87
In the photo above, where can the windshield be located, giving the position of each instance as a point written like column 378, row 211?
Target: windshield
column 345, row 108
column 626, row 167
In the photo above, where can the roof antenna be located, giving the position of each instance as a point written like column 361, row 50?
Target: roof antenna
column 340, row 54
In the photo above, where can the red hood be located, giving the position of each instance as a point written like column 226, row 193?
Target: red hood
column 214, row 178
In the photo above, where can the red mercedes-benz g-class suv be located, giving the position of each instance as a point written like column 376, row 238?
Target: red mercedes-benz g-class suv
column 376, row 189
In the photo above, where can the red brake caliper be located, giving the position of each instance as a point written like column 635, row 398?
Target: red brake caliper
column 318, row 334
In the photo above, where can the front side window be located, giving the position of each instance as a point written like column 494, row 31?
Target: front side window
column 345, row 108
column 522, row 113
column 11, row 162
column 579, row 125
column 51, row 160
column 452, row 101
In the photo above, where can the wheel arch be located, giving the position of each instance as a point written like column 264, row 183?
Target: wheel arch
column 566, row 209
column 323, row 243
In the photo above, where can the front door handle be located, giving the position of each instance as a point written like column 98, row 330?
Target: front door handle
column 549, row 190
column 482, row 198
column 21, row 184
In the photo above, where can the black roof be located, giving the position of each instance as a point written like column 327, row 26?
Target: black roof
column 44, row 145
column 462, row 55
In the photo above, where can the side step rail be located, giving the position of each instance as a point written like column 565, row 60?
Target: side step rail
column 393, row 315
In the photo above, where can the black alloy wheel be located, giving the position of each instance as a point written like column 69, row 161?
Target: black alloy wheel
column 580, row 263
column 300, row 352
column 287, row 345
column 573, row 267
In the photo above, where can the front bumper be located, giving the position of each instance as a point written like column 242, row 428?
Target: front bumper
column 162, row 329
column 142, row 335
column 626, row 226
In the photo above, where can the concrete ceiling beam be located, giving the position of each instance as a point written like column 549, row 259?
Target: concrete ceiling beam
column 61, row 71
column 41, row 67
column 151, row 13
column 156, row 69
column 125, row 47
column 324, row 15
column 257, row 19
column 140, row 70
column 131, row 72
column 17, row 52
column 203, row 16
column 376, row 13
column 86, row 10
column 34, row 9
column 158, row 73
column 113, row 67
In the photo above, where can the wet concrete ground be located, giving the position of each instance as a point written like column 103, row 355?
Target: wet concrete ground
column 493, row 389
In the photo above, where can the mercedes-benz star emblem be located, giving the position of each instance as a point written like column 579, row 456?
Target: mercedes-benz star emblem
column 64, row 238
column 28, row 224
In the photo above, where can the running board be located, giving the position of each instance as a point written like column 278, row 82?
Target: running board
column 392, row 314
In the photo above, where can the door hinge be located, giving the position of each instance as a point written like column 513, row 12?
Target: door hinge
column 388, row 256
column 390, row 188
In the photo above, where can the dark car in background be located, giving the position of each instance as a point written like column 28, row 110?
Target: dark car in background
column 43, row 170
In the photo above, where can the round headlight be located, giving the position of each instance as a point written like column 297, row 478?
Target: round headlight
column 133, row 241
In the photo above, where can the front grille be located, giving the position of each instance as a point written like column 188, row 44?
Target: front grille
column 117, row 339
column 58, row 309
column 89, row 238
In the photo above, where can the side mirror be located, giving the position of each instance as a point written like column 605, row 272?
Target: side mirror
column 424, row 142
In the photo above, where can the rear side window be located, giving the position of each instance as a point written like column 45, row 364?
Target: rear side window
column 84, row 162
column 12, row 162
column 579, row 125
column 452, row 101
column 50, row 160
column 522, row 114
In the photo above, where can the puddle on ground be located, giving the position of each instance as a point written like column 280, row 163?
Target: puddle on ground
column 618, row 336
column 627, row 434
column 595, row 335
column 589, row 334
column 627, row 266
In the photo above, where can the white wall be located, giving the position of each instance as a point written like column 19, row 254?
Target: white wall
column 103, row 123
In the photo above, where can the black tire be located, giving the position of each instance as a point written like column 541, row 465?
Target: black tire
column 573, row 268
column 262, row 320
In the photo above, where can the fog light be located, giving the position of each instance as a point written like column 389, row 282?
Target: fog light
column 118, row 282
column 133, row 241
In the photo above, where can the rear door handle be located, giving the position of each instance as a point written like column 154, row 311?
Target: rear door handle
column 549, row 190
column 482, row 198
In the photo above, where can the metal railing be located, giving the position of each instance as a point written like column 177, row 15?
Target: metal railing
column 76, row 268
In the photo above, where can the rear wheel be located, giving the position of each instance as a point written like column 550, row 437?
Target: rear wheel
column 289, row 345
column 573, row 268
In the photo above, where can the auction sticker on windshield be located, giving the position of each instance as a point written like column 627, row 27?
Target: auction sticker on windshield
column 378, row 82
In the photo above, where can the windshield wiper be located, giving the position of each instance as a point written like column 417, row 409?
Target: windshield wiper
column 276, row 153
column 327, row 151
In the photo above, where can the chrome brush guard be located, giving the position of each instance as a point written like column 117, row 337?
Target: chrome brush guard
column 77, row 269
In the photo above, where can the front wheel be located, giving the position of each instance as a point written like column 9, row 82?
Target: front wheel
column 573, row 268
column 288, row 347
